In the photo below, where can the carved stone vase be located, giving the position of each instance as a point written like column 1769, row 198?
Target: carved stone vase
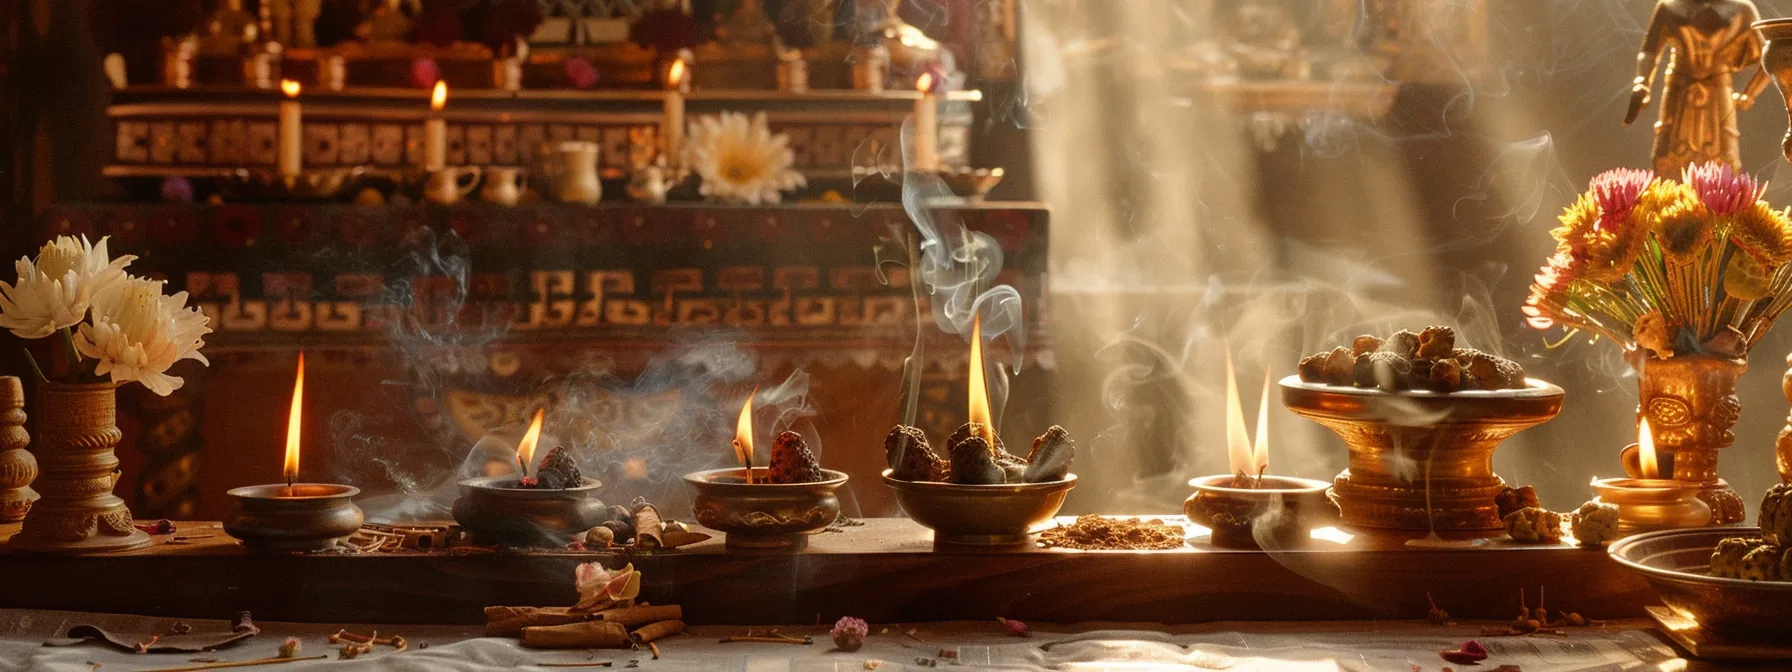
column 1691, row 404
column 76, row 429
column 17, row 467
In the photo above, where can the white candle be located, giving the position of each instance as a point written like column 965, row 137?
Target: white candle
column 927, row 125
column 289, row 147
column 678, row 81
column 435, row 130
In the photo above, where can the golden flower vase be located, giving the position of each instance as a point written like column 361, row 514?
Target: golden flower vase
column 75, row 429
column 1691, row 405
column 1422, row 461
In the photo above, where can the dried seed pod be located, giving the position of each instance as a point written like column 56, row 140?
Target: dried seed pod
column 1312, row 368
column 792, row 462
column 1761, row 564
column 1384, row 370
column 974, row 464
column 1338, row 366
column 1445, row 376
column 911, row 458
column 1052, row 454
column 970, row 429
column 600, row 537
column 1513, row 499
column 1435, row 342
column 1365, row 344
column 1726, row 559
column 558, row 471
column 1775, row 518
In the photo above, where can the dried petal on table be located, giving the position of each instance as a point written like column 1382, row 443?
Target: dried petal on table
column 849, row 633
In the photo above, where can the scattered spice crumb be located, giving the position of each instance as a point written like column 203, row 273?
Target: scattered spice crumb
column 1095, row 533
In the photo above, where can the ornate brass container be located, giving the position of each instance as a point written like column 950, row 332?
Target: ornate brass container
column 496, row 514
column 303, row 517
column 1691, row 405
column 980, row 515
column 1676, row 563
column 75, row 429
column 1282, row 509
column 1650, row 504
column 1776, row 59
column 1422, row 460
column 760, row 515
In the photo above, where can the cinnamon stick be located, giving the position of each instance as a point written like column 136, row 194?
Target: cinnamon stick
column 634, row 617
column 586, row 635
column 510, row 621
column 657, row 631
column 647, row 526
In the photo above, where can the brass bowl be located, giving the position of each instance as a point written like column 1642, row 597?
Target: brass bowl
column 1403, row 445
column 312, row 184
column 527, row 517
column 971, row 183
column 302, row 517
column 1282, row 509
column 1676, row 563
column 980, row 515
column 760, row 515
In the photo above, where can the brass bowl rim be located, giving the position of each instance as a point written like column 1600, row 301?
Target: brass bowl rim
column 1201, row 483
column 1618, row 552
column 270, row 492
column 489, row 484
column 1681, row 490
column 1768, row 25
column 992, row 490
column 1533, row 389
column 706, row 479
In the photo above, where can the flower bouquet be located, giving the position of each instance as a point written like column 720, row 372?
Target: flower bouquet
column 116, row 328
column 1686, row 276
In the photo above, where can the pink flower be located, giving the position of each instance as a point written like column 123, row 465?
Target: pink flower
column 1723, row 190
column 425, row 72
column 1616, row 191
column 580, row 71
column 849, row 633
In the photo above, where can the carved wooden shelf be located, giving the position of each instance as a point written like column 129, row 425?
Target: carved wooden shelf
column 885, row 571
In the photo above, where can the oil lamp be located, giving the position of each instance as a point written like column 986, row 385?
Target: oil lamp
column 1650, row 502
column 522, row 510
column 292, row 516
column 1249, row 506
column 753, row 507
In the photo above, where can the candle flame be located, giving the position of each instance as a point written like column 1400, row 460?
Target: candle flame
column 675, row 73
column 291, row 467
column 1260, row 448
column 1238, row 444
column 290, row 88
column 979, row 390
column 1648, row 467
column 924, row 83
column 525, row 450
column 439, row 97
column 743, row 436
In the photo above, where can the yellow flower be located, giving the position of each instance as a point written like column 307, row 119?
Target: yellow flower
column 1577, row 220
column 1684, row 227
column 1764, row 233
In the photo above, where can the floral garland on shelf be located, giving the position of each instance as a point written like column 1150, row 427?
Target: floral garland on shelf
column 116, row 326
column 1697, row 266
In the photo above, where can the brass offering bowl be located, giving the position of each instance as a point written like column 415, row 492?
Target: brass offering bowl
column 971, row 183
column 1677, row 564
column 302, row 517
column 761, row 515
column 1283, row 508
column 1649, row 504
column 312, row 184
column 980, row 515
column 496, row 512
column 1422, row 460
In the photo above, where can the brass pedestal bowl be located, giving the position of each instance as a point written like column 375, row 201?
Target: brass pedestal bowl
column 1422, row 460
column 1677, row 564
column 1280, row 511
column 497, row 512
column 980, row 515
column 761, row 515
column 297, row 518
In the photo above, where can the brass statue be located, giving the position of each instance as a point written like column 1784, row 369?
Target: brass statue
column 1709, row 41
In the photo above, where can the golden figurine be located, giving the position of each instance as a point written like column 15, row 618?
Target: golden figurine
column 1709, row 41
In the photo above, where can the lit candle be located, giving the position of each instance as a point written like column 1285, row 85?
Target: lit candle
column 291, row 467
column 435, row 130
column 525, row 449
column 978, row 395
column 743, row 436
column 927, row 121
column 289, row 148
column 1650, row 502
column 678, row 83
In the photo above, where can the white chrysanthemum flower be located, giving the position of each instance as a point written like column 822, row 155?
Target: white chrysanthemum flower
column 740, row 160
column 136, row 334
column 56, row 290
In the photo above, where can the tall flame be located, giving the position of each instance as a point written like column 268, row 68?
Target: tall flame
column 1238, row 444
column 1645, row 449
column 439, row 97
column 979, row 392
column 924, row 83
column 1260, row 448
column 743, row 436
column 525, row 450
column 675, row 74
column 291, row 468
column 290, row 88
